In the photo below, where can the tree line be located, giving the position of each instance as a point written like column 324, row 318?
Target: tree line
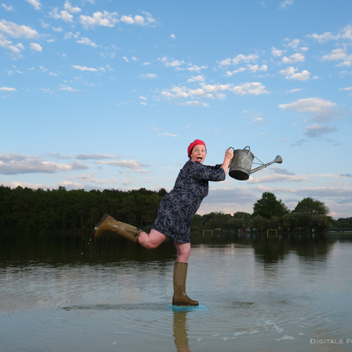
column 60, row 209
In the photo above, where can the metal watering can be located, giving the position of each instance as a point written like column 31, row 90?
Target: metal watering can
column 241, row 164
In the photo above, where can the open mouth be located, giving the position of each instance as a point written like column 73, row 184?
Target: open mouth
column 199, row 159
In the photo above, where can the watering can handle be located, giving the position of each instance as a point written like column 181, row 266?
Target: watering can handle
column 247, row 147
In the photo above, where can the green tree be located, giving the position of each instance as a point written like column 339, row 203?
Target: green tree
column 268, row 206
column 196, row 223
column 220, row 220
column 235, row 223
column 258, row 223
column 245, row 218
column 311, row 207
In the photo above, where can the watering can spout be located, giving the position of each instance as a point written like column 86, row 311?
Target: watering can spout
column 278, row 160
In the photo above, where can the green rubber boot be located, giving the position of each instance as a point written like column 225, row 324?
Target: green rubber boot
column 180, row 298
column 108, row 223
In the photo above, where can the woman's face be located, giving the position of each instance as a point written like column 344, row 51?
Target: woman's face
column 198, row 153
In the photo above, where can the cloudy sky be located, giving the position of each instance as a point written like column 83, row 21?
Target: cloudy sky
column 99, row 94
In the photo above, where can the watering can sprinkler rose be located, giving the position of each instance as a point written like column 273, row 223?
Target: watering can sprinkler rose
column 241, row 164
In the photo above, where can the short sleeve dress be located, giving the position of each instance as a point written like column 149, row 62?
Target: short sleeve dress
column 178, row 207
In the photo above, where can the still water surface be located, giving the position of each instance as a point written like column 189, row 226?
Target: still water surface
column 256, row 293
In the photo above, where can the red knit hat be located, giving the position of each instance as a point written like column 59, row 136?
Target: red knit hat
column 193, row 144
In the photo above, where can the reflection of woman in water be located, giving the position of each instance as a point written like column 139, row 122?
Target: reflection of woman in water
column 175, row 214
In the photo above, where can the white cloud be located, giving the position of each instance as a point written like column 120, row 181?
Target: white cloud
column 257, row 119
column 252, row 57
column 12, row 164
column 105, row 19
column 255, row 68
column 225, row 62
column 322, row 110
column 7, row 8
column 63, row 15
column 125, row 58
column 193, row 68
column 168, row 134
column 87, row 41
column 84, row 68
column 237, row 59
column 339, row 55
column 174, row 63
column 199, row 78
column 90, row 179
column 177, row 63
column 295, row 90
column 58, row 29
column 230, row 73
column 208, row 90
column 293, row 43
column 148, row 75
column 17, row 31
column 285, row 4
column 36, row 47
column 277, row 178
column 172, row 36
column 315, row 131
column 6, row 44
column 276, row 52
column 35, row 3
column 138, row 19
column 68, row 35
column 143, row 98
column 146, row 63
column 346, row 33
column 293, row 58
column 108, row 55
column 69, row 89
column 170, row 63
column 149, row 18
column 131, row 164
column 254, row 88
column 313, row 105
column 127, row 19
column 196, row 103
column 321, row 38
column 184, row 92
column 69, row 8
column 87, row 156
column 8, row 89
column 290, row 73
column 347, row 89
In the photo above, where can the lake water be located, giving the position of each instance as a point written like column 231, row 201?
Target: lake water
column 285, row 293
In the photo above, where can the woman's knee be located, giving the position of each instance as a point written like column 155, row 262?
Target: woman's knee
column 151, row 241
column 183, row 252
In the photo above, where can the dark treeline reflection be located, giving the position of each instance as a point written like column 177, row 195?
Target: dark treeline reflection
column 19, row 249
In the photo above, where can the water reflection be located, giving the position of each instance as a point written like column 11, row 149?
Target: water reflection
column 63, row 249
column 261, row 294
column 181, row 332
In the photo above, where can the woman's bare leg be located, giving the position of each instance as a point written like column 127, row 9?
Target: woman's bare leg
column 183, row 252
column 151, row 241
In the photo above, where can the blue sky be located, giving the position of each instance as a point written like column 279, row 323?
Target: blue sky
column 109, row 94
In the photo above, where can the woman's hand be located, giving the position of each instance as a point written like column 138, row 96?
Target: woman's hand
column 227, row 160
column 229, row 155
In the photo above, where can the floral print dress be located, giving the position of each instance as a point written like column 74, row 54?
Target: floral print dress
column 178, row 207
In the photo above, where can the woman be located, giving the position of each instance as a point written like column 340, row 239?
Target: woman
column 175, row 214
